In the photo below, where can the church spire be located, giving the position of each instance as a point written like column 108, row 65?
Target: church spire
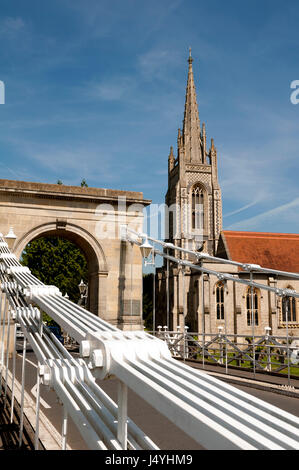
column 191, row 123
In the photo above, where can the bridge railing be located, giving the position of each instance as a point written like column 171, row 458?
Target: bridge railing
column 263, row 353
column 215, row 414
column 180, row 258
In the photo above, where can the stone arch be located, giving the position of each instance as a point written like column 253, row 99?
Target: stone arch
column 205, row 187
column 95, row 256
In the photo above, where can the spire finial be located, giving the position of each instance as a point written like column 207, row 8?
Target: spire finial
column 190, row 60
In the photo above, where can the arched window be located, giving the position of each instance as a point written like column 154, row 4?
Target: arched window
column 252, row 306
column 219, row 292
column 197, row 208
column 289, row 312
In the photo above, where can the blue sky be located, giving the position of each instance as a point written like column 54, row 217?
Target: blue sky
column 95, row 89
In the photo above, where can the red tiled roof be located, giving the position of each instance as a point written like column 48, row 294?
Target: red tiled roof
column 278, row 251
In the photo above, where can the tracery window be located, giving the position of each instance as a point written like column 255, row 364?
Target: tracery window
column 197, row 208
column 289, row 310
column 219, row 292
column 252, row 306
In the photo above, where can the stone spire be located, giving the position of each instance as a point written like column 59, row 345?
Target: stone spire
column 171, row 160
column 191, row 123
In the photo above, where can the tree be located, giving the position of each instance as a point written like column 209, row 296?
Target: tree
column 58, row 262
column 59, row 182
column 84, row 184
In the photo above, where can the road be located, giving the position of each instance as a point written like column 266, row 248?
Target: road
column 161, row 430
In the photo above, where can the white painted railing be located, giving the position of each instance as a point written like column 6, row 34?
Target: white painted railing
column 213, row 413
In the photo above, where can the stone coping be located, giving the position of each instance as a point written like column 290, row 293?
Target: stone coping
column 22, row 188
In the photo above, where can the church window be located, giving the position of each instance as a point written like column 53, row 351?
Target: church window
column 220, row 301
column 252, row 306
column 197, row 208
column 289, row 312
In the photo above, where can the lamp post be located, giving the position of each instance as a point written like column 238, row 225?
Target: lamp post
column 147, row 250
column 11, row 239
column 83, row 289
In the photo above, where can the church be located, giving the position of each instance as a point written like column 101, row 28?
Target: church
column 201, row 301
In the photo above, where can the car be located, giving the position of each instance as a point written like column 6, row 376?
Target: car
column 19, row 333
column 55, row 329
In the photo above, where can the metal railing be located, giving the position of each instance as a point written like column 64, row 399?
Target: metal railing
column 179, row 258
column 215, row 414
column 264, row 354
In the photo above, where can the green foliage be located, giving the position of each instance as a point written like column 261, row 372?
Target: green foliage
column 59, row 182
column 84, row 184
column 58, row 262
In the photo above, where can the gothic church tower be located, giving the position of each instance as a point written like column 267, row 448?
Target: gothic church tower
column 194, row 195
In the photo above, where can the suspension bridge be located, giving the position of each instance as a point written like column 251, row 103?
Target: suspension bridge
column 212, row 412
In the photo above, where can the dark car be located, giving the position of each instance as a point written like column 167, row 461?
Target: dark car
column 55, row 329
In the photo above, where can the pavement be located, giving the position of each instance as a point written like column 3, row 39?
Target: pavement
column 260, row 381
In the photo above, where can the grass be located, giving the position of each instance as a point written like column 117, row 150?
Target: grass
column 247, row 364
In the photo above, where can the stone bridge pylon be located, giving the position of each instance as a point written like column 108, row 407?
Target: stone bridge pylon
column 89, row 217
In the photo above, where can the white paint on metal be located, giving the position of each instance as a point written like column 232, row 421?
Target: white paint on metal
column 216, row 415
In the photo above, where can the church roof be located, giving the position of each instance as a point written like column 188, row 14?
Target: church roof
column 278, row 251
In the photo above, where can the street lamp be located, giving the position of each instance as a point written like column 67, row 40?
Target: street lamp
column 83, row 289
column 146, row 248
column 10, row 239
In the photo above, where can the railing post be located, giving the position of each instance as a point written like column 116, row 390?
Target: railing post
column 3, row 319
column 225, row 292
column 184, row 313
column 267, row 333
column 37, row 407
column 186, row 354
column 154, row 294
column 13, row 373
column 64, row 428
column 23, row 392
column 122, row 423
column 131, row 286
column 203, row 318
column 7, row 352
column 252, row 323
column 288, row 346
column 220, row 328
column 167, row 289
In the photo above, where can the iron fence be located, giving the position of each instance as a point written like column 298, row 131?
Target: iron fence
column 265, row 354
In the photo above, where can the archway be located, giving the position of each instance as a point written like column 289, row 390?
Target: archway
column 90, row 247
column 59, row 262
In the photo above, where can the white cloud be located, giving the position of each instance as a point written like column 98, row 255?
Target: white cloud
column 156, row 63
column 10, row 26
column 241, row 209
column 114, row 89
column 287, row 214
